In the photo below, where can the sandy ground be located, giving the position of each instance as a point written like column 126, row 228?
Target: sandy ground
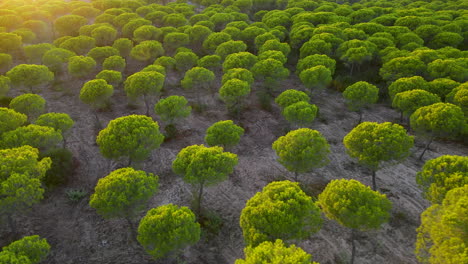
column 78, row 235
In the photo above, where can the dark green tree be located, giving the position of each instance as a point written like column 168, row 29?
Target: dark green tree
column 302, row 150
column 123, row 194
column 275, row 252
column 409, row 101
column 30, row 75
column 20, row 178
column 146, row 84
column 201, row 166
column 280, row 211
column 360, row 95
column 442, row 234
column 224, row 133
column 355, row 206
column 133, row 136
column 33, row 248
column 32, row 105
column 168, row 229
column 372, row 143
column 437, row 120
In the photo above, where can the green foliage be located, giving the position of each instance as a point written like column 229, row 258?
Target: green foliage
column 4, row 85
column 442, row 87
column 61, row 169
column 239, row 60
column 275, row 252
column 444, row 39
column 33, row 248
column 197, row 78
column 22, row 160
column 407, row 84
column 129, row 28
column 147, row 32
column 371, row 143
column 111, row 77
column 147, row 50
column 442, row 174
column 360, row 95
column 316, row 60
column 273, row 54
column 199, row 165
column 79, row 45
column 166, row 62
column 167, row 229
column 270, row 70
column 10, row 119
column 238, row 73
column 11, row 258
column 213, row 40
column 123, row 193
column 232, row 93
column 454, row 69
column 20, row 185
column 211, row 62
column 133, row 136
column 6, row 60
column 31, row 105
column 409, row 101
column 442, row 233
column 104, row 35
column 275, row 44
column 402, row 67
column 30, row 75
column 302, row 150
column 224, row 133
column 144, row 84
column 300, row 113
column 96, row 93
column 55, row 59
column 317, row 77
column 81, row 66
column 438, row 120
column 75, row 195
column 34, row 53
column 99, row 54
column 124, row 45
column 185, row 60
column 175, row 40
column 40, row 137
column 69, row 25
column 172, row 108
column 230, row 47
column 280, row 211
column 290, row 97
column 354, row 205
column 10, row 42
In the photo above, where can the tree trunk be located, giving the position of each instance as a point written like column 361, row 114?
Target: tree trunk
column 374, row 185
column 360, row 117
column 12, row 224
column 129, row 162
column 425, row 148
column 401, row 117
column 64, row 143
column 146, row 105
column 98, row 123
column 296, row 176
column 132, row 229
column 199, row 202
column 353, row 246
